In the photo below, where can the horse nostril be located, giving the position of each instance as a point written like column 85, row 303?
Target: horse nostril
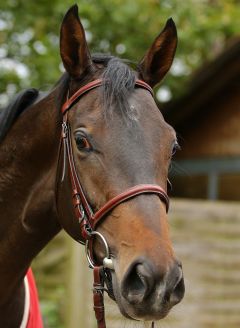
column 178, row 292
column 177, row 287
column 137, row 283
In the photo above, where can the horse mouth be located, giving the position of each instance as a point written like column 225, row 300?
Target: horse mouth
column 139, row 313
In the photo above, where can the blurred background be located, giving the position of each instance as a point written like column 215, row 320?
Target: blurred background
column 200, row 97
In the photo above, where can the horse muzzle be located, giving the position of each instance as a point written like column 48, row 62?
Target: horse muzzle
column 148, row 295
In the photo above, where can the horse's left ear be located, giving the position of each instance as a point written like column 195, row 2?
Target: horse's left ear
column 158, row 59
column 74, row 50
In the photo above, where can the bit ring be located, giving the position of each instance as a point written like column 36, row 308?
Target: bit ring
column 87, row 251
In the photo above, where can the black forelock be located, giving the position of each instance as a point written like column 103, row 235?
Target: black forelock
column 118, row 83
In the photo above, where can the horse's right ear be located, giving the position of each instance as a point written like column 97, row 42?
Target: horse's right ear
column 74, row 50
column 158, row 59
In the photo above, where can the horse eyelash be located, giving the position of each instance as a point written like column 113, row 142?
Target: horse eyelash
column 176, row 148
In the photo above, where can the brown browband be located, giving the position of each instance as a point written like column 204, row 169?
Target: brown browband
column 87, row 219
column 92, row 85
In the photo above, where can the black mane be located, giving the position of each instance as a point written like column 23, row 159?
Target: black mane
column 20, row 102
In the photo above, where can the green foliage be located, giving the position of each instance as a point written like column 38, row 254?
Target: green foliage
column 29, row 32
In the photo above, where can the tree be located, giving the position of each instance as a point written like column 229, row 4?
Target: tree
column 29, row 33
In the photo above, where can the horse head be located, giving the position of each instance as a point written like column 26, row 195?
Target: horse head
column 119, row 140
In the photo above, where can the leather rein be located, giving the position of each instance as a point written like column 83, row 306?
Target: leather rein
column 88, row 220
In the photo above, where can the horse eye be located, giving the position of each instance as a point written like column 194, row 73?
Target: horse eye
column 175, row 148
column 82, row 142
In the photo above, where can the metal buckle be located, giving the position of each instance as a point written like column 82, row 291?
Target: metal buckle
column 64, row 129
column 99, row 289
column 82, row 213
column 107, row 261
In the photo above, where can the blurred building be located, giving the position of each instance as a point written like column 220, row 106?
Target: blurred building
column 207, row 121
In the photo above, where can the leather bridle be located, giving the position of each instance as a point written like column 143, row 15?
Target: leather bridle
column 88, row 220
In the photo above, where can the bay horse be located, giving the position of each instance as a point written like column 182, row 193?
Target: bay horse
column 91, row 157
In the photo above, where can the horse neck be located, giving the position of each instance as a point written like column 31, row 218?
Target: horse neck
column 28, row 163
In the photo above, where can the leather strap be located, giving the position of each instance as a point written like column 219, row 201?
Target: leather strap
column 82, row 209
column 128, row 194
column 98, row 298
column 92, row 85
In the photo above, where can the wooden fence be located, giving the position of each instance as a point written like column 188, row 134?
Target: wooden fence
column 206, row 237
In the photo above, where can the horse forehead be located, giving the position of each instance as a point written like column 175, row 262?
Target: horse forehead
column 142, row 115
column 144, row 109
